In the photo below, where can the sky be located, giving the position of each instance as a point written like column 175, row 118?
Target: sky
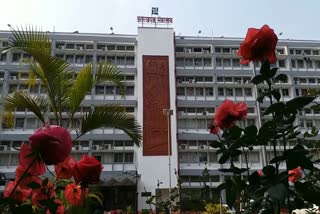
column 296, row 19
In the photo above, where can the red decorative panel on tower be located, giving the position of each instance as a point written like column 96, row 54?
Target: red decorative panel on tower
column 155, row 99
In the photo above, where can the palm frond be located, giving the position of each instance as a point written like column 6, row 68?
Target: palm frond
column 30, row 39
column 109, row 72
column 21, row 99
column 81, row 86
column 112, row 116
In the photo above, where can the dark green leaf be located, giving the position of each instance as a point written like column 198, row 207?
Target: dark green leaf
column 257, row 79
column 224, row 158
column 298, row 103
column 261, row 96
column 275, row 108
column 235, row 132
column 269, row 170
column 24, row 208
column 278, row 192
column 231, row 193
column 251, row 130
column 265, row 68
column 308, row 191
column 272, row 72
column 276, row 95
column 215, row 144
column 277, row 159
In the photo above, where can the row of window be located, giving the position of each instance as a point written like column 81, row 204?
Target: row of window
column 303, row 80
column 100, row 46
column 212, row 157
column 201, row 123
column 307, row 52
column 208, row 91
column 305, row 63
column 203, row 111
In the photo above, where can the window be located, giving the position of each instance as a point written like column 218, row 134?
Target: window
column 251, row 122
column 130, row 60
column 199, row 79
column 129, row 48
column 16, row 57
column 89, row 47
column 189, row 62
column 309, row 64
column 199, row 92
column 280, row 51
column 220, row 79
column 227, row 62
column 79, row 59
column 31, row 123
column 251, row 110
column 120, row 48
column 300, row 63
column 198, row 62
column 180, row 91
column 315, row 52
column 180, row 62
column 218, row 62
column 307, row 52
column 208, row 79
column 312, row 80
column 89, row 59
column 3, row 57
column 282, row 63
column 307, row 111
column 238, row 92
column 121, row 60
column 213, row 157
column 128, row 157
column 229, row 91
column 197, row 50
column 69, row 58
column 203, row 157
column 220, row 91
column 298, row 52
column 180, row 49
column 309, row 123
column 285, row 92
column 12, row 88
column 101, row 58
column 291, row 51
column 317, row 62
column 101, row 46
column 110, row 90
column 111, row 47
column 293, row 63
column 19, row 123
column 207, row 62
column 217, row 50
column 118, row 157
column 302, row 123
column 226, row 50
column 111, row 59
column 209, row 91
column 190, row 91
column 248, row 92
column 191, row 110
column 303, row 80
column 130, row 90
column 34, row 89
column 70, row 46
column 236, row 62
column 228, row 79
column 100, row 90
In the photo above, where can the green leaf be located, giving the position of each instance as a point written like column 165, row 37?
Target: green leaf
column 215, row 144
column 251, row 130
column 275, row 108
column 272, row 72
column 261, row 96
column 276, row 95
column 231, row 193
column 257, row 79
column 281, row 77
column 278, row 159
column 308, row 191
column 34, row 185
column 24, row 208
column 224, row 158
column 235, row 132
column 278, row 192
column 298, row 103
column 112, row 116
column 269, row 170
column 21, row 99
column 265, row 68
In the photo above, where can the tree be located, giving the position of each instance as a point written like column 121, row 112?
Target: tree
column 65, row 93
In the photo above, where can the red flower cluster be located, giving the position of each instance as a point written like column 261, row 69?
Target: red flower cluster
column 295, row 174
column 51, row 145
column 259, row 45
column 227, row 114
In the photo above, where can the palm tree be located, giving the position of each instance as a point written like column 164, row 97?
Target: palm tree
column 65, row 93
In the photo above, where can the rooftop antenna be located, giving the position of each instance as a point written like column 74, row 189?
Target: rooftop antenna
column 199, row 32
column 111, row 29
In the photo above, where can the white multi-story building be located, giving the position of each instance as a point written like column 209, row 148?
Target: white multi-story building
column 189, row 75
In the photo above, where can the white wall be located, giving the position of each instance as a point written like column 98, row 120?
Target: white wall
column 156, row 42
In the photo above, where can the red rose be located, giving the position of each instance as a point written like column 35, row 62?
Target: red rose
column 27, row 179
column 88, row 169
column 53, row 142
column 20, row 194
column 228, row 113
column 73, row 194
column 214, row 129
column 64, row 169
column 25, row 159
column 295, row 174
column 260, row 173
column 259, row 44
column 42, row 193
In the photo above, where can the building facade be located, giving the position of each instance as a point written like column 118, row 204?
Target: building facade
column 190, row 76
